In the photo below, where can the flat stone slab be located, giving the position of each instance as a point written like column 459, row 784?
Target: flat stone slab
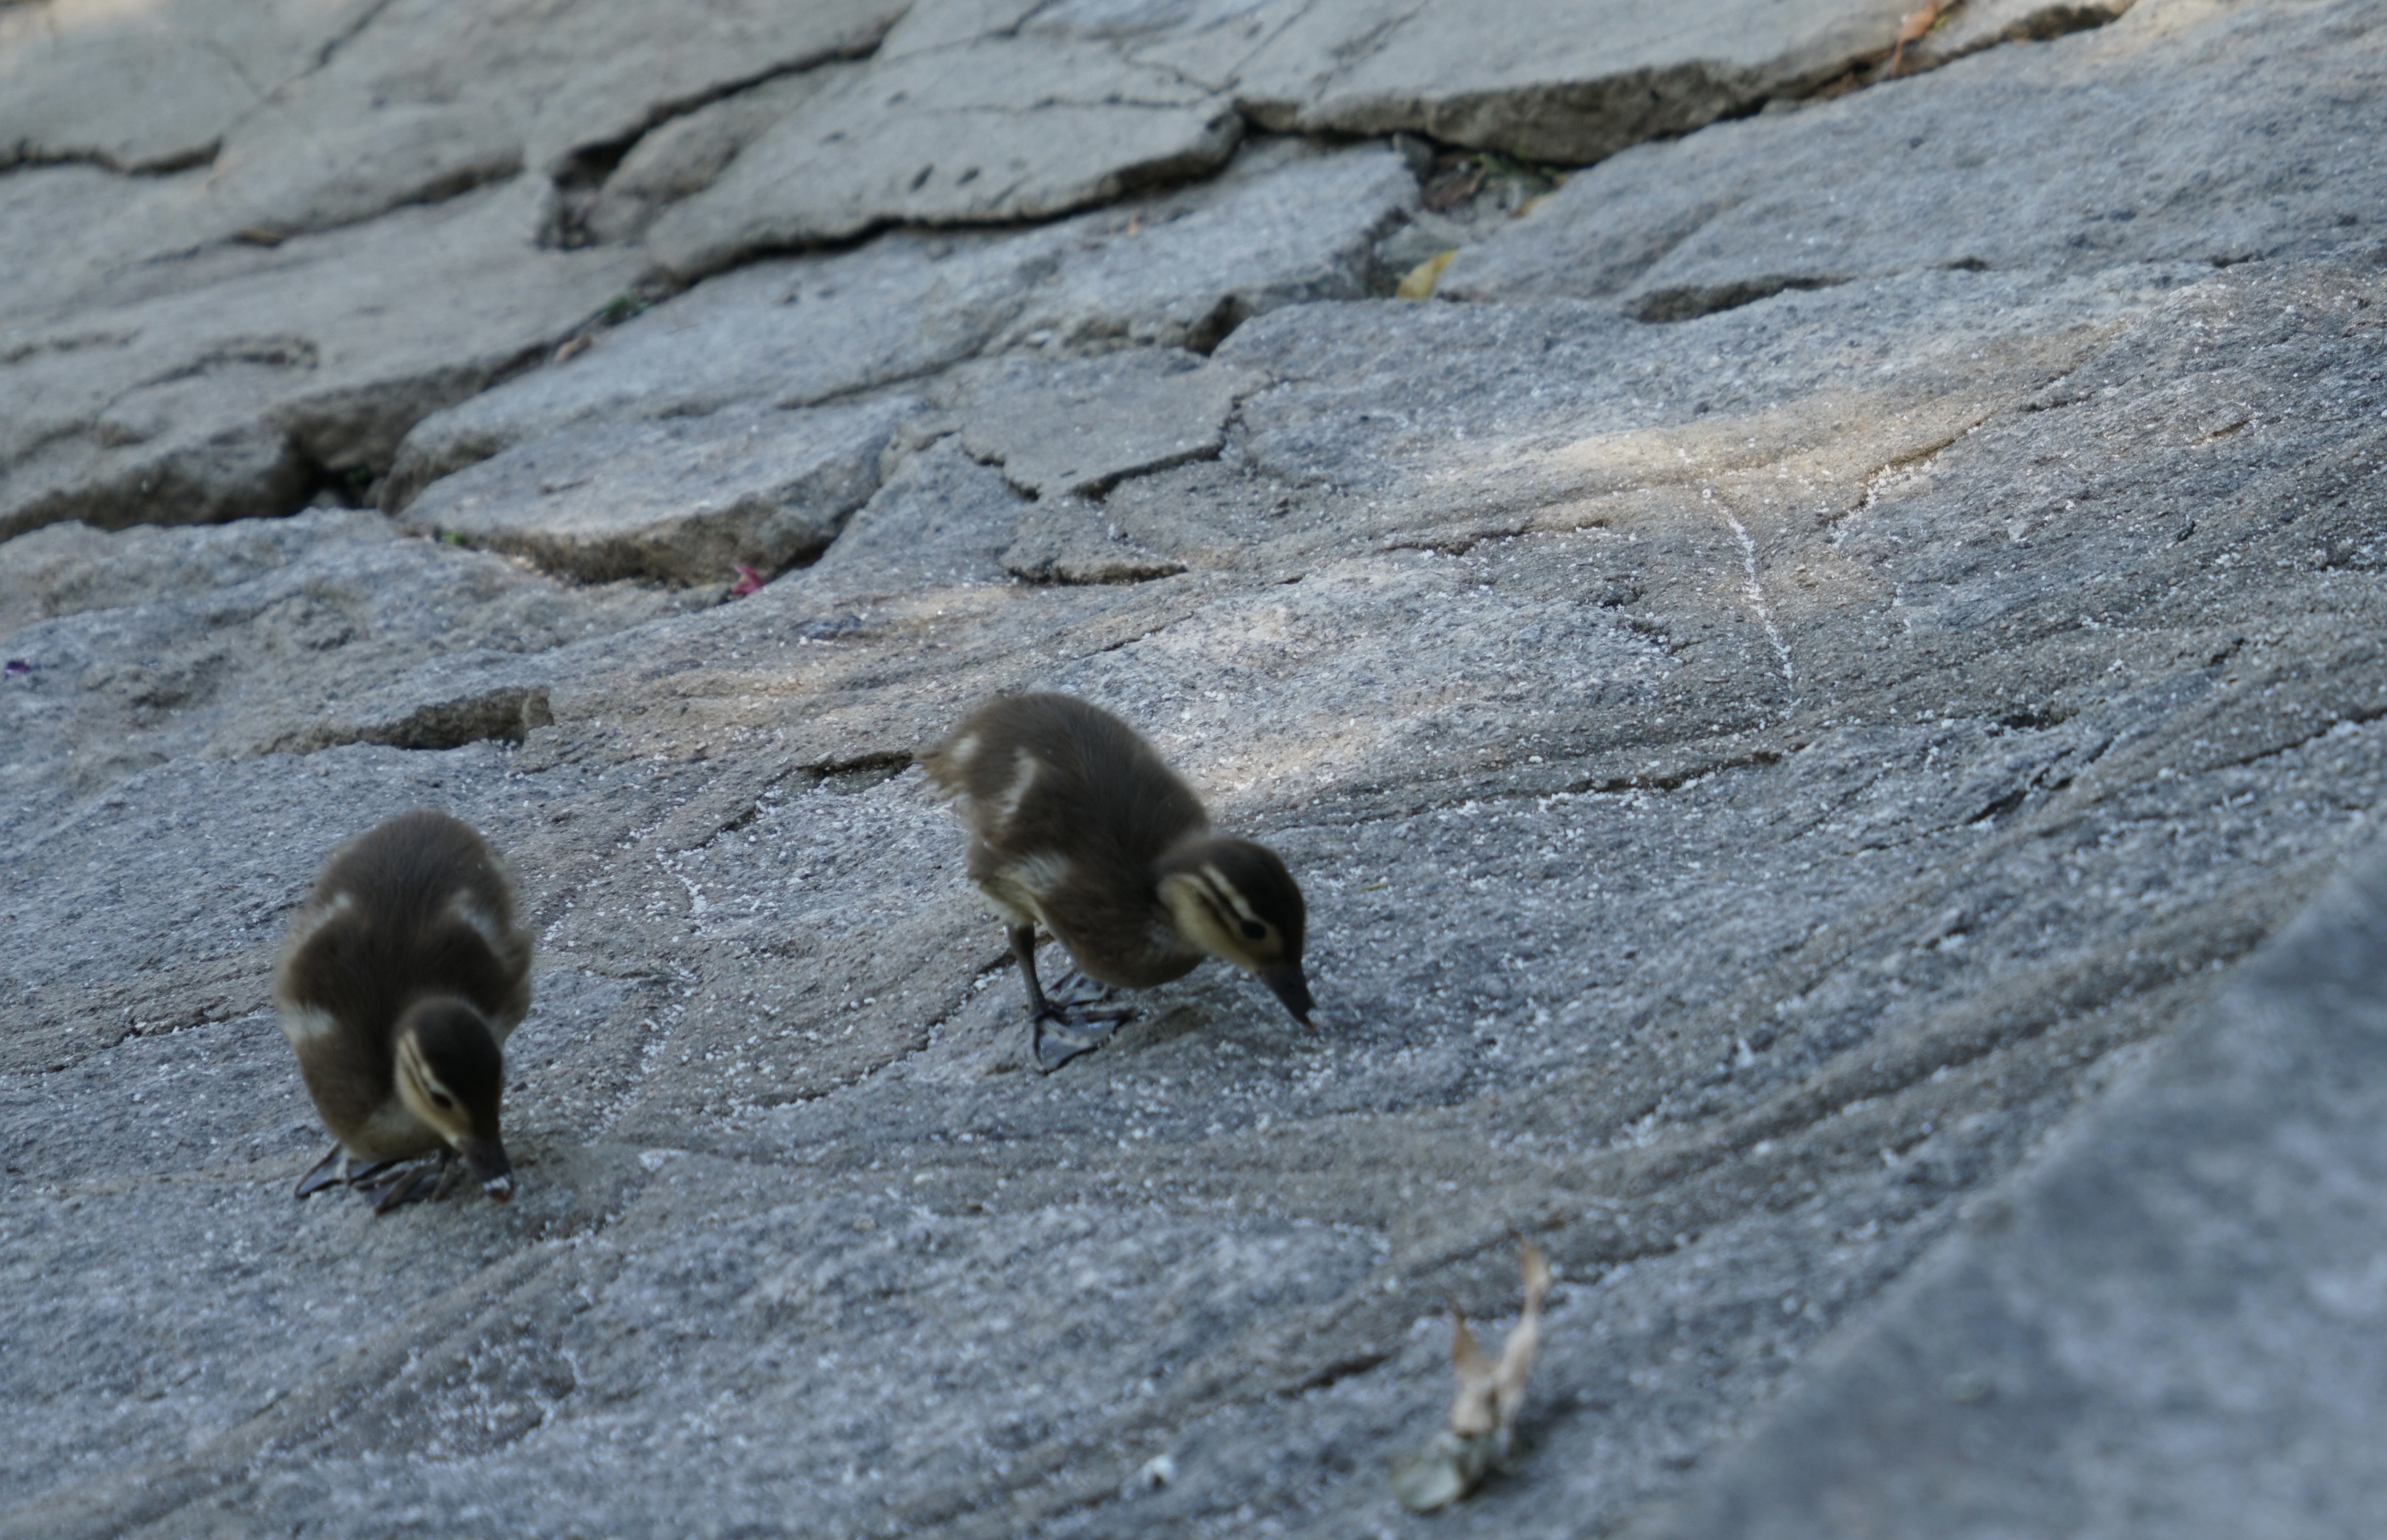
column 152, row 88
column 1000, row 129
column 1064, row 540
column 150, row 644
column 2005, row 161
column 272, row 374
column 1074, row 427
column 685, row 499
column 1173, row 272
column 309, row 117
column 1550, row 80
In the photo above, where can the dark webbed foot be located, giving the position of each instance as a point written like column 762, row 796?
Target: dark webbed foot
column 1074, row 1020
column 391, row 1185
column 327, row 1172
column 387, row 1183
column 1056, row 1038
column 1080, row 1022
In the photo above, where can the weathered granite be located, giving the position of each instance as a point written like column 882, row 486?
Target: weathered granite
column 1757, row 778
column 1005, row 129
column 681, row 156
column 152, row 88
column 1079, row 427
column 1174, row 271
column 267, row 636
column 272, row 374
column 313, row 116
column 1549, row 79
column 2097, row 1349
column 686, row 500
column 2149, row 141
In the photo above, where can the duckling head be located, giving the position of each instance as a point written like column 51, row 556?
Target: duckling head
column 450, row 1075
column 1234, row 899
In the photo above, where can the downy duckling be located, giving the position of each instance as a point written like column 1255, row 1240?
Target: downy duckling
column 402, row 978
column 1077, row 826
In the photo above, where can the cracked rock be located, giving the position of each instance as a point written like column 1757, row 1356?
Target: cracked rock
column 279, row 371
column 685, row 499
column 1176, row 271
column 996, row 131
column 1073, row 428
column 2010, row 161
column 1763, row 781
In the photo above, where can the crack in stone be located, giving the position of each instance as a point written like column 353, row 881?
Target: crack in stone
column 349, row 34
column 1756, row 592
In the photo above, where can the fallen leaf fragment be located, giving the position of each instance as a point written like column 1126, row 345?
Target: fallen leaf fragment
column 1420, row 280
column 749, row 581
column 1912, row 25
column 1482, row 1424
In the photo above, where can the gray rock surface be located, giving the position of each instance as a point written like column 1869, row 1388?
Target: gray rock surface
column 1549, row 79
column 1002, row 129
column 2097, row 1350
column 272, row 372
column 312, row 116
column 685, row 499
column 1079, row 427
column 2074, row 156
column 1764, row 758
column 1177, row 271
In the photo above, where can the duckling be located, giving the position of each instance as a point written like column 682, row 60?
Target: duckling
column 1079, row 826
column 401, row 981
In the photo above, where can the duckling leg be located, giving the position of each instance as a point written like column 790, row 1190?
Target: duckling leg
column 1055, row 1049
column 324, row 1173
column 390, row 1185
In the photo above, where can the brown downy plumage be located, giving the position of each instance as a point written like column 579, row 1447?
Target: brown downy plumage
column 401, row 981
column 1079, row 827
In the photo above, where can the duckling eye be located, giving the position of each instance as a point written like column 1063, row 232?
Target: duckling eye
column 1255, row 929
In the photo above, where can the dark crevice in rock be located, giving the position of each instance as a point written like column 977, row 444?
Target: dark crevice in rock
column 2031, row 720
column 583, row 173
column 1340, row 1369
column 1216, row 327
column 25, row 158
column 242, row 473
column 503, row 716
column 446, row 187
column 1689, row 302
column 578, row 181
column 354, row 29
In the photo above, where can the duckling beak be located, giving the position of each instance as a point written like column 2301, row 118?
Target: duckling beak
column 486, row 1160
column 1292, row 986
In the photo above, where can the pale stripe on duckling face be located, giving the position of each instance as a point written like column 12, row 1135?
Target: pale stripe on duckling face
column 1200, row 913
column 427, row 1094
column 1227, row 892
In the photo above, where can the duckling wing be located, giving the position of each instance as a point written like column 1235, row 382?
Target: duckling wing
column 1050, row 774
column 1070, row 809
column 414, row 906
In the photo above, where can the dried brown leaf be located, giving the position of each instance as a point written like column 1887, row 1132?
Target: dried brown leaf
column 1484, row 1412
